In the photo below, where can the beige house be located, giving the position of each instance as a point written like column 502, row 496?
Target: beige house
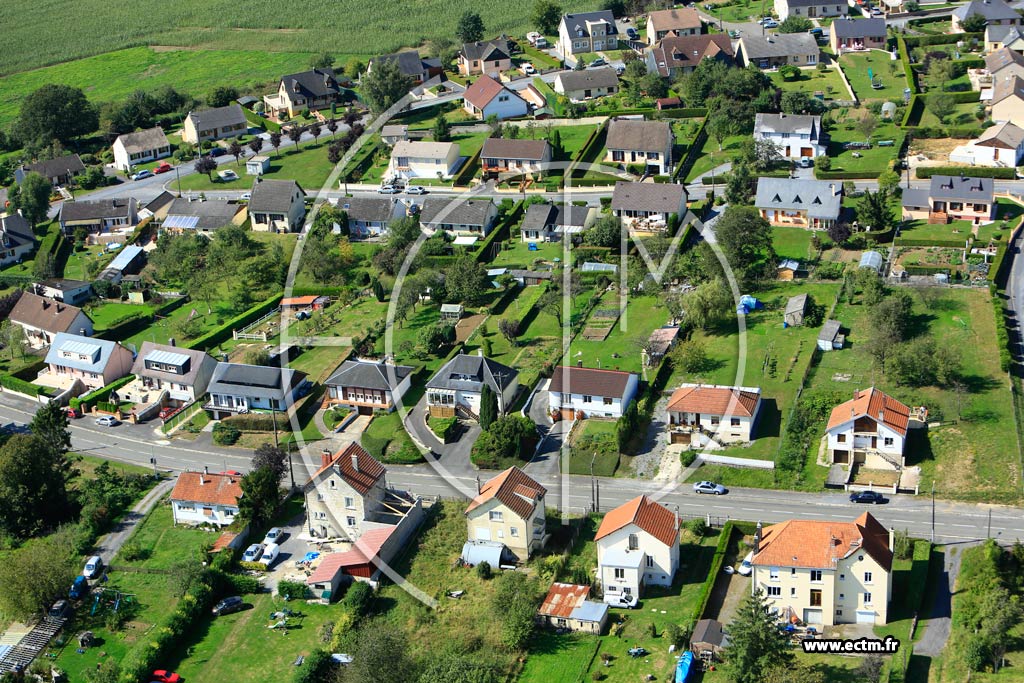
column 277, row 206
column 509, row 509
column 485, row 57
column 214, row 124
column 994, row 12
column 423, row 159
column 313, row 89
column 647, row 144
column 587, row 32
column 870, row 429
column 637, row 545
column 703, row 414
column 587, row 84
column 566, row 606
column 683, row 21
column 1007, row 103
column 343, row 494
column 825, row 573
column 951, row 198
column 43, row 319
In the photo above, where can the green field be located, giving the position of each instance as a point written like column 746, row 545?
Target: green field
column 810, row 81
column 793, row 243
column 872, row 161
column 888, row 71
column 594, row 444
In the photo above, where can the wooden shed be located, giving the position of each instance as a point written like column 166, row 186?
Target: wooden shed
column 708, row 639
column 795, row 308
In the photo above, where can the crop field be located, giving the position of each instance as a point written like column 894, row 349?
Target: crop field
column 305, row 26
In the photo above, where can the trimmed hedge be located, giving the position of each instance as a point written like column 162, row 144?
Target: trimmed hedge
column 17, row 384
column 222, row 333
column 940, row 39
column 918, row 575
column 692, row 152
column 1002, row 335
column 103, row 393
column 468, row 170
column 51, row 245
column 716, row 566
column 924, row 172
column 926, row 270
column 145, row 229
column 684, row 113
column 945, row 243
column 361, row 161
column 905, row 59
column 501, row 231
column 251, row 422
column 845, row 175
column 443, row 427
column 931, row 132
column 589, row 146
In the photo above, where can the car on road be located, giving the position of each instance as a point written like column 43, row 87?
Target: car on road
column 93, row 567
column 710, row 487
column 142, row 175
column 217, row 151
column 745, row 566
column 246, row 196
column 619, row 69
column 632, row 34
column 72, row 413
column 600, row 61
column 231, row 473
column 416, row 189
column 107, row 421
column 388, row 189
column 227, row 176
column 165, row 676
column 228, row 606
column 771, row 23
column 164, row 167
column 253, row 553
column 872, row 497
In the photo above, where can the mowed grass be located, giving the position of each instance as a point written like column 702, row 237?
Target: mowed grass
column 892, row 78
column 829, row 82
column 618, row 351
column 308, row 165
column 871, row 162
column 106, row 314
column 793, row 243
column 711, row 156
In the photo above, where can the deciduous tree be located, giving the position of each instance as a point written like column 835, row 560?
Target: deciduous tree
column 746, row 239
column 33, row 574
column 55, row 112
column 32, row 198
column 470, row 27
column 260, row 495
column 545, row 16
column 385, row 85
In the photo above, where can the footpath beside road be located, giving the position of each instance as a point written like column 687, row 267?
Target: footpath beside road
column 109, row 544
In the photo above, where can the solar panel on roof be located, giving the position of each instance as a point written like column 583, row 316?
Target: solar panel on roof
column 181, row 222
column 83, row 348
column 168, row 357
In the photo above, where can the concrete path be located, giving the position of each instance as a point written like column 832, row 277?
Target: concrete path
column 109, row 544
column 937, row 624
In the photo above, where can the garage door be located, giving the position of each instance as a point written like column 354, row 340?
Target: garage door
column 865, row 617
column 812, row 616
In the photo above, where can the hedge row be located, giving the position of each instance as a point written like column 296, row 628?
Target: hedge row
column 251, row 422
column 932, row 132
column 692, row 152
column 222, row 333
column 468, row 170
column 926, row 270
column 716, row 566
column 924, row 172
column 17, row 384
column 1002, row 335
column 501, row 231
column 684, row 113
column 138, row 321
column 905, row 59
column 945, row 243
column 844, row 175
column 144, row 229
column 918, row 575
column 103, row 393
column 443, row 427
column 596, row 137
column 51, row 245
column 940, row 39
column 361, row 161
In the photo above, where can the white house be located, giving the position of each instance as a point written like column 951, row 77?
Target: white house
column 204, row 498
column 344, row 493
column 643, row 143
column 810, row 8
column 591, row 392
column 370, row 216
column 183, row 373
column 587, row 84
column 457, row 385
column 699, row 414
column 277, row 206
column 469, row 217
column 487, row 97
column 140, row 147
column 870, row 429
column 421, row 159
column 637, row 546
column 551, row 222
column 796, row 135
column 16, row 238
column 1001, row 145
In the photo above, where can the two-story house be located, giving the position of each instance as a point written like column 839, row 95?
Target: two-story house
column 239, row 388
column 140, row 147
column 344, row 493
column 847, row 35
column 43, row 319
column 999, row 145
column 775, row 50
column 870, row 429
column 637, row 546
column 994, row 12
column 98, row 216
column 60, row 171
column 370, row 216
column 17, row 240
column 456, row 387
column 809, row 9
column 682, row 21
column 644, row 143
column 951, row 198
column 489, row 57
column 587, row 32
column 183, row 373
column 204, row 498
column 798, row 202
column 825, row 573
column 471, row 217
column 93, row 362
column 214, row 124
column 313, row 89
column 487, row 98
column 647, row 207
column 552, row 222
column 517, row 157
column 367, row 385
column 509, row 509
column 423, row 159
column 1007, row 102
column 797, row 136
column 1009, row 36
column 277, row 206
column 704, row 414
column 587, row 84
column 589, row 392
column 676, row 55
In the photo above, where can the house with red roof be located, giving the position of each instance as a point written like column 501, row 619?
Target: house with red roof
column 637, row 545
column 823, row 572
column 566, row 606
column 342, row 496
column 488, row 97
column 701, row 415
column 509, row 509
column 204, row 498
column 869, row 430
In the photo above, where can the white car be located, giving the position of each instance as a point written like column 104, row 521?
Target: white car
column 270, row 554
column 227, row 176
column 93, row 567
column 107, row 421
column 253, row 553
column 274, row 536
column 771, row 23
column 528, row 69
column 745, row 566
column 246, row 196
column 388, row 189
column 142, row 175
column 416, row 189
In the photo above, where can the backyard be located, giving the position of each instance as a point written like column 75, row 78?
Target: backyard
column 870, row 162
column 795, row 243
column 617, row 349
column 1007, row 212
column 812, row 81
column 886, row 71
column 711, row 156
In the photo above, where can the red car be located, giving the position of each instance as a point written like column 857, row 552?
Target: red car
column 164, row 676
column 164, row 167
column 231, row 473
column 72, row 413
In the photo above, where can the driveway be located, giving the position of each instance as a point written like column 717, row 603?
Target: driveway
column 292, row 548
column 936, row 626
column 549, row 448
column 454, row 456
column 110, row 543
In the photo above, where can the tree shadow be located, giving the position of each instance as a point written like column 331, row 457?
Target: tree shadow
column 918, row 669
column 919, row 324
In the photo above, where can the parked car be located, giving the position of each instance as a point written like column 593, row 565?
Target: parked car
column 771, row 23
column 710, row 487
column 165, row 676
column 817, row 32
column 253, row 553
column 600, row 61
column 733, row 33
column 416, row 189
column 217, row 151
column 527, row 69
column 107, row 421
column 228, row 606
column 231, row 473
column 388, row 189
column 542, row 42
column 621, row 600
column 275, row 535
column 227, row 176
column 875, row 12
column 619, row 69
column 60, row 609
column 72, row 413
column 745, row 566
column 270, row 554
column 79, row 589
column 93, row 567
column 872, row 497
column 141, row 175
column 164, row 167
column 532, row 37
column 632, row 34
column 806, row 162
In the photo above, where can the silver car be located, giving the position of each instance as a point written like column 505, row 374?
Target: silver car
column 253, row 553
column 710, row 487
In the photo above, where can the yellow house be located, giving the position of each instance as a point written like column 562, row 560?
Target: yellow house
column 825, row 573
column 509, row 509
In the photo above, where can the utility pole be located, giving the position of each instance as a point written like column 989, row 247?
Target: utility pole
column 933, row 513
column 156, row 475
column 989, row 535
column 593, row 490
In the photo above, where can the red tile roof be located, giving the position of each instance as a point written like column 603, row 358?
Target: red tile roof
column 589, row 381
column 562, row 599
column 516, row 491
column 365, row 550
column 654, row 518
column 483, row 90
column 213, row 489
column 876, row 405
column 725, row 401
column 361, row 478
column 820, row 545
column 300, row 300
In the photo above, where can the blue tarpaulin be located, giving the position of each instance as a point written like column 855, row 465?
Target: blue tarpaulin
column 684, row 666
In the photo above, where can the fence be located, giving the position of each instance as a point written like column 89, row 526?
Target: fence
column 244, row 333
column 187, row 412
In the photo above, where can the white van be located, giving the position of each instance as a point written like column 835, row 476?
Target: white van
column 270, row 554
column 93, row 567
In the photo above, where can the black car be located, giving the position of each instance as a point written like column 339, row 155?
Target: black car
column 227, row 606
column 867, row 497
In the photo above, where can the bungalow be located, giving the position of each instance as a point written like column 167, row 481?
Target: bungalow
column 551, row 222
column 994, row 12
column 831, row 337
column 589, row 83
column 313, row 89
column 846, row 35
column 98, row 216
column 309, row 302
column 421, row 159
column 204, row 498
column 457, row 386
column 366, row 385
column 800, row 203
column 644, row 143
column 205, row 215
column 183, row 373
column 647, row 207
column 393, row 133
column 411, row 65
column 140, row 147
column 73, row 292
column 93, row 362
column 489, row 57
column 676, row 55
column 240, row 388
column 809, row 8
column 518, row 157
column 773, row 51
column 637, row 546
column 487, row 97
column 509, row 509
column 458, row 217
column 277, row 206
column 344, row 493
column 797, row 136
column 43, row 319
column 214, row 124
column 578, row 392
column 870, row 429
column 704, row 414
column 951, row 198
column 566, row 607
column 683, row 21
column 1007, row 103
column 17, row 240
column 60, row 171
column 587, row 32
column 370, row 216
column 1000, row 145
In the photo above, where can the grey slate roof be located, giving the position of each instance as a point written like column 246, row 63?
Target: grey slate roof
column 209, row 214
column 576, row 24
column 313, row 83
column 820, row 198
column 503, row 148
column 160, row 201
column 787, row 123
column 1005, row 87
column 830, row 330
column 657, row 197
column 605, row 77
column 409, row 62
column 143, row 140
column 961, row 188
column 368, row 209
column 488, row 50
column 1006, row 136
column 991, row 10
column 273, row 195
column 368, row 375
column 860, row 28
column 470, row 212
column 540, row 216
column 163, row 353
column 779, row 45
column 97, row 209
column 469, row 373
column 15, row 231
column 643, row 136
column 256, row 381
column 217, row 118
column 796, row 304
column 1001, row 58
column 51, row 168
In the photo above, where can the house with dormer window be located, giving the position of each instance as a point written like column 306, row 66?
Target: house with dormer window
column 509, row 509
column 798, row 136
column 587, row 32
column 183, row 373
column 951, row 198
column 799, row 203
column 92, row 362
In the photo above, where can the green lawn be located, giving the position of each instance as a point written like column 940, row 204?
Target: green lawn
column 711, row 156
column 307, row 165
column 964, row 114
column 594, row 443
column 883, row 67
column 107, row 314
column 388, row 429
column 793, row 243
column 643, row 315
column 517, row 254
column 829, row 82
column 1007, row 213
column 742, row 11
column 872, row 161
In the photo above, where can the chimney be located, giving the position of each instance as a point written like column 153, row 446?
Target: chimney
column 206, row 470
column 202, row 480
column 892, row 538
column 325, row 457
column 355, row 461
column 881, row 416
column 757, row 538
column 81, row 331
column 579, row 364
column 480, row 352
column 478, row 487
column 677, row 518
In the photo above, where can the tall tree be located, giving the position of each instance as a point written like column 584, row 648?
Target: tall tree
column 222, row 96
column 32, row 197
column 275, row 141
column 509, row 328
column 33, row 486
column 324, row 60
column 515, row 598
column 206, row 165
column 470, row 28
column 295, row 134
column 50, row 423
column 271, row 457
column 256, row 145
column 380, row 655
column 315, row 130
column 605, row 232
column 235, row 149
column 55, row 112
column 488, row 407
column 874, row 211
column 332, row 126
column 33, row 574
column 756, row 644
column 260, row 495
column 467, row 280
column 545, row 16
column 442, row 130
column 746, row 239
column 385, row 84
column 739, row 184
